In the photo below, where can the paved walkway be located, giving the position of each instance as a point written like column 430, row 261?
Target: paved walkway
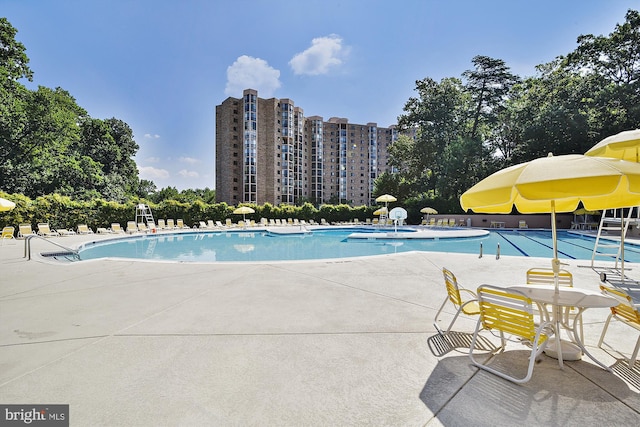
column 332, row 343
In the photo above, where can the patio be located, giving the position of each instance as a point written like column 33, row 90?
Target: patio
column 343, row 342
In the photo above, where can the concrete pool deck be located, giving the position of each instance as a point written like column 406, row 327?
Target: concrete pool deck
column 346, row 342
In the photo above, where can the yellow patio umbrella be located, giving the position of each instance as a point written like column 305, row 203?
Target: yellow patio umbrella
column 380, row 211
column 624, row 146
column 6, row 205
column 243, row 210
column 428, row 211
column 583, row 212
column 386, row 198
column 557, row 184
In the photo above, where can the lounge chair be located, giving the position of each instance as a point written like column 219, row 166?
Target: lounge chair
column 142, row 227
column 46, row 231
column 170, row 224
column 228, row 222
column 625, row 312
column 161, row 224
column 522, row 224
column 103, row 230
column 84, row 229
column 25, row 230
column 219, row 224
column 132, row 227
column 116, row 228
column 65, row 232
column 7, row 234
column 180, row 224
column 509, row 312
column 210, row 224
column 468, row 306
column 202, row 225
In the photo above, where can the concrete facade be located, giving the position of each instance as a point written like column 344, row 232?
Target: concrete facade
column 267, row 151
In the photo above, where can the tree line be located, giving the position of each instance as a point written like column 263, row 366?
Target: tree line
column 467, row 128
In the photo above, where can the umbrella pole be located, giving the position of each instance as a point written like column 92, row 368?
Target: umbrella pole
column 555, row 265
column 622, row 229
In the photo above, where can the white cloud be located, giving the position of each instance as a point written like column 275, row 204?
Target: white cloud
column 325, row 53
column 189, row 160
column 188, row 174
column 151, row 173
column 153, row 159
column 150, row 136
column 252, row 73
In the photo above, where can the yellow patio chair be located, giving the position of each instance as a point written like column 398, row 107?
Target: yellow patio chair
column 509, row 312
column 171, row 224
column 627, row 313
column 161, row 224
column 25, row 230
column 468, row 306
column 522, row 224
column 142, row 227
column 544, row 276
column 180, row 224
column 46, row 231
column 7, row 234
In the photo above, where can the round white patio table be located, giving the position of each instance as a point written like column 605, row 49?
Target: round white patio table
column 581, row 299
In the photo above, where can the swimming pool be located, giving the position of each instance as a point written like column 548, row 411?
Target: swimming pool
column 250, row 245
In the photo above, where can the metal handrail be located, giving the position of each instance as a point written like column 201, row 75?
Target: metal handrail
column 27, row 246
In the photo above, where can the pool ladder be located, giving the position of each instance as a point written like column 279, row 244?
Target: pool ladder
column 66, row 252
column 497, row 251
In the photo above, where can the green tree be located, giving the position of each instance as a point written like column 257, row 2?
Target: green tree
column 613, row 63
column 489, row 85
column 13, row 58
column 438, row 116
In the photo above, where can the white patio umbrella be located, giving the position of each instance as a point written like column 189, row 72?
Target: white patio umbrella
column 6, row 205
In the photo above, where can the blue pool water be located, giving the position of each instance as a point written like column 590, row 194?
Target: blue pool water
column 212, row 246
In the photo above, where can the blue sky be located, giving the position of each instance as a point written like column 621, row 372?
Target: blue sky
column 162, row 66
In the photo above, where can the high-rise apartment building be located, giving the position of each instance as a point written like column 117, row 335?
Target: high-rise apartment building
column 268, row 151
